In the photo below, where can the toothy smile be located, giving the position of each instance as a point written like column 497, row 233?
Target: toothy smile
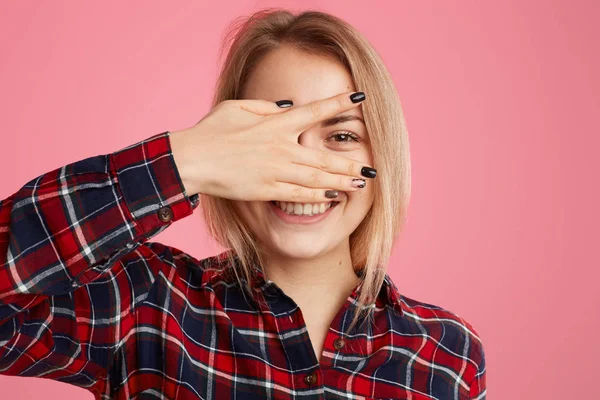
column 304, row 208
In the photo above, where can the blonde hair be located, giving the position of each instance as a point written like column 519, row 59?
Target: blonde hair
column 249, row 39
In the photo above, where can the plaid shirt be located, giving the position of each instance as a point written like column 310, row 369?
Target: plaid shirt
column 86, row 299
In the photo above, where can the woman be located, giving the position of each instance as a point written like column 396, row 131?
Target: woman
column 300, row 306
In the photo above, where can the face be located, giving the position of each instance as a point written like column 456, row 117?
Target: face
column 287, row 73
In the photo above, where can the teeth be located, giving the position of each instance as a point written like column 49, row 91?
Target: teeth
column 304, row 208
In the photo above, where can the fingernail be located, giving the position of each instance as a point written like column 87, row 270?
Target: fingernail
column 358, row 183
column 356, row 97
column 284, row 103
column 368, row 172
column 331, row 194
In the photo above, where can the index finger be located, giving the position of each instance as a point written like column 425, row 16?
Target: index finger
column 300, row 118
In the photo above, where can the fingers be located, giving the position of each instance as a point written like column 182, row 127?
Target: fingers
column 264, row 107
column 315, row 178
column 330, row 162
column 284, row 191
column 300, row 118
column 312, row 173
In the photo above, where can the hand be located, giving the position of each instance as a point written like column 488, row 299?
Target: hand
column 248, row 150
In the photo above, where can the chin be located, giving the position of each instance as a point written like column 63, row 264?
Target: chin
column 300, row 245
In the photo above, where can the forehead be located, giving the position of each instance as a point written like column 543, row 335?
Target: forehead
column 288, row 73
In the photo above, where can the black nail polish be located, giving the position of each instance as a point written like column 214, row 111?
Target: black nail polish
column 331, row 194
column 356, row 97
column 284, row 103
column 368, row 172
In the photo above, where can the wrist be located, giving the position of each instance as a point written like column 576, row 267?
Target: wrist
column 177, row 142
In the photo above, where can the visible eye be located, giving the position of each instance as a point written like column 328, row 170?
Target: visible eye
column 345, row 137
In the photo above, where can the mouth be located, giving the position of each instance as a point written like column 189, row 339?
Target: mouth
column 329, row 204
column 302, row 213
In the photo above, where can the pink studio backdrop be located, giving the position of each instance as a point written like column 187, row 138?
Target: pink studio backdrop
column 501, row 102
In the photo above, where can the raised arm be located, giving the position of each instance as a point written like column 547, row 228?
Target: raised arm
column 68, row 228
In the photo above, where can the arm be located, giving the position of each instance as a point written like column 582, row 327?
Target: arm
column 72, row 227
column 478, row 385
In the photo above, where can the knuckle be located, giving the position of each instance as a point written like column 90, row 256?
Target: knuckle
column 276, row 149
column 297, row 192
column 270, row 134
column 344, row 181
column 226, row 103
column 351, row 168
column 315, row 109
column 324, row 160
column 315, row 194
column 275, row 171
column 276, row 146
column 315, row 178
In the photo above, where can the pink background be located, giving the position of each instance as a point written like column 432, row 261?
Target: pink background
column 501, row 102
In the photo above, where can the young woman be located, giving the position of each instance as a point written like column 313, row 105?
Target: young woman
column 302, row 171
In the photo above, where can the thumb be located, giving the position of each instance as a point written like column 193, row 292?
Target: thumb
column 265, row 107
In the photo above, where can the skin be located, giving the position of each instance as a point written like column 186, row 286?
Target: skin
column 311, row 263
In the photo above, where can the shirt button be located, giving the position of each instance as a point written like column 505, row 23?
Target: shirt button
column 339, row 343
column 310, row 378
column 165, row 214
column 271, row 288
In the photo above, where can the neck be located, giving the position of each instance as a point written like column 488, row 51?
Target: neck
column 320, row 282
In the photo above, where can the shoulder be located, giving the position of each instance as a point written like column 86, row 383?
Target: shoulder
column 458, row 339
column 158, row 257
column 436, row 317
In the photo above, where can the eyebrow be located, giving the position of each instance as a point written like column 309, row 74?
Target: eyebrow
column 341, row 119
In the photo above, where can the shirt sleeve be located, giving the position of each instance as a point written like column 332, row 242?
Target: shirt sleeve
column 66, row 229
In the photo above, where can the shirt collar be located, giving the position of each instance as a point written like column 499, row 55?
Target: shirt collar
column 389, row 294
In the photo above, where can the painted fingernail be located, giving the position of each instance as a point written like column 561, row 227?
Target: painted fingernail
column 331, row 194
column 284, row 103
column 358, row 183
column 356, row 97
column 368, row 172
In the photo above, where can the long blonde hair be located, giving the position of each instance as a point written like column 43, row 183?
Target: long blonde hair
column 248, row 40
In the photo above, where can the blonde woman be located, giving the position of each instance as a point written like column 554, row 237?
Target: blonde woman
column 302, row 172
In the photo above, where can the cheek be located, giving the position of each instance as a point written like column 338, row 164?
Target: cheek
column 363, row 198
column 250, row 212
